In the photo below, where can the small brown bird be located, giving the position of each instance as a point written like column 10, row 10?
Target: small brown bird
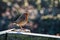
column 22, row 20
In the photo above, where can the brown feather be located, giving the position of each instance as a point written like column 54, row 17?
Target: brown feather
column 23, row 21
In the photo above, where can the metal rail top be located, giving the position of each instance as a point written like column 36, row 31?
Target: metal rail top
column 4, row 32
column 25, row 33
column 34, row 34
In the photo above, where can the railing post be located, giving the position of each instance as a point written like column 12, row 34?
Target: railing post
column 6, row 35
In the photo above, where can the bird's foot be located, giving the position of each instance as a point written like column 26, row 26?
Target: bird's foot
column 25, row 30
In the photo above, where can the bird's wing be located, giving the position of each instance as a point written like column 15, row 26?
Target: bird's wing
column 20, row 19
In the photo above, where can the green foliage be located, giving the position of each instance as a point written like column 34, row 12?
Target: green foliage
column 26, row 37
column 2, row 37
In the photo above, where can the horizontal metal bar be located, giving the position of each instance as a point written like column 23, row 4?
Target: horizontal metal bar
column 4, row 32
column 35, row 34
column 25, row 33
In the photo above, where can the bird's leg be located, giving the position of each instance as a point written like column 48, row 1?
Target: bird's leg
column 21, row 28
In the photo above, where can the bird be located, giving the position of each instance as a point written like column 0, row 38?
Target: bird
column 22, row 20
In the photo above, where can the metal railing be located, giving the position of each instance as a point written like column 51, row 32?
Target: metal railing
column 11, row 35
column 3, row 34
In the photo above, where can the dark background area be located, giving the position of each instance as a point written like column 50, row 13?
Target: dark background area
column 39, row 25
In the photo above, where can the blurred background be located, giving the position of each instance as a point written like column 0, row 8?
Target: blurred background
column 44, row 15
